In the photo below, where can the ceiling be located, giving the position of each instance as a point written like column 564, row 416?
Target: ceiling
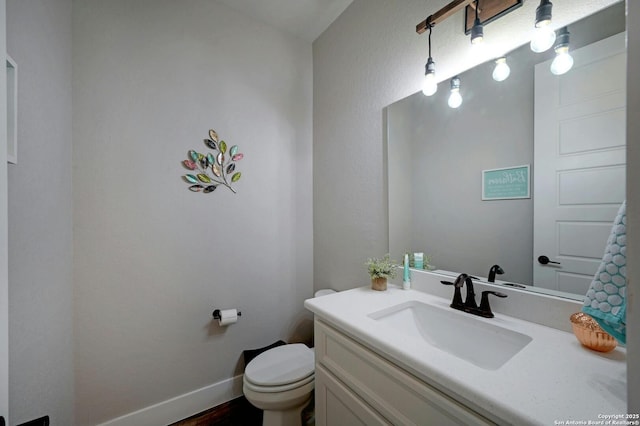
column 306, row 19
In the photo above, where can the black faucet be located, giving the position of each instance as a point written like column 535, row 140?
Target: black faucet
column 495, row 269
column 456, row 303
column 485, row 309
column 470, row 305
column 470, row 300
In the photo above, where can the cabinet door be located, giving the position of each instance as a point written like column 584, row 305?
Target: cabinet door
column 336, row 405
column 396, row 395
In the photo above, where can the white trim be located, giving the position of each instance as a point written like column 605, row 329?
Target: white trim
column 12, row 110
column 4, row 227
column 183, row 406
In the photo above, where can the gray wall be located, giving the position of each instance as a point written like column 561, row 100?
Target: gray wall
column 153, row 259
column 449, row 220
column 40, row 212
column 447, row 217
column 633, row 205
column 400, row 126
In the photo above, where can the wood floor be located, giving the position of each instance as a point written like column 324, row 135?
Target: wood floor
column 238, row 412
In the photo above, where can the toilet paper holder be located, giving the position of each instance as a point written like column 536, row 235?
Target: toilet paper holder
column 216, row 314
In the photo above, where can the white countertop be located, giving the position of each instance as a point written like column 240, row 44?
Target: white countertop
column 553, row 379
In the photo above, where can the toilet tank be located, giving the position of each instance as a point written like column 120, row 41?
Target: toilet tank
column 324, row 292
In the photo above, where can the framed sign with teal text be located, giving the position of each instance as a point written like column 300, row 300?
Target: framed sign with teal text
column 507, row 183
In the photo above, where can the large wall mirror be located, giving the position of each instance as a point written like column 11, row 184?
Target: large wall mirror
column 437, row 155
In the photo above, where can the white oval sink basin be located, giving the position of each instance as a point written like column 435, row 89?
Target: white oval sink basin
column 460, row 334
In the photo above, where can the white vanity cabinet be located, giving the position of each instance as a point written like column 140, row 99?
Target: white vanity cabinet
column 355, row 386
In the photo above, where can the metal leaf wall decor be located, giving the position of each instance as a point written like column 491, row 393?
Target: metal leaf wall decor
column 208, row 171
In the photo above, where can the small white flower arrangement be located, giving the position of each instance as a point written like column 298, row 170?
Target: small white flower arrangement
column 381, row 268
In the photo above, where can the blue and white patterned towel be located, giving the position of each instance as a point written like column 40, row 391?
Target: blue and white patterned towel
column 606, row 299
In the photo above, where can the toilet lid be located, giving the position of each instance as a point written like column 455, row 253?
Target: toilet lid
column 281, row 365
column 276, row 389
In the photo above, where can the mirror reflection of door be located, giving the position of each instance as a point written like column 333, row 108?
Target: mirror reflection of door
column 579, row 163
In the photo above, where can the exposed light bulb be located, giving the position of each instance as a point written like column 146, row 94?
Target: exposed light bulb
column 542, row 39
column 562, row 62
column 543, row 35
column 455, row 98
column 429, row 84
column 502, row 70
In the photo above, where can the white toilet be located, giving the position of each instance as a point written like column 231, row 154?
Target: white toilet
column 280, row 381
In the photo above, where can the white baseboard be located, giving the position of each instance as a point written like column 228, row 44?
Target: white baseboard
column 183, row 406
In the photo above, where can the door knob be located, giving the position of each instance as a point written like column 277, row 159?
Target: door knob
column 543, row 260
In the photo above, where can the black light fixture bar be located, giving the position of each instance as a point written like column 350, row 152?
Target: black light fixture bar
column 491, row 10
column 442, row 14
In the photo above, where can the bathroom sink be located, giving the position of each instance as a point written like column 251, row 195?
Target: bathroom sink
column 467, row 337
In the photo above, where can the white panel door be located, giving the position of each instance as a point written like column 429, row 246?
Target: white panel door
column 4, row 250
column 579, row 163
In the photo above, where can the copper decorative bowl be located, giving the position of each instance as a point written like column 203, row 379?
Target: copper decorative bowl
column 590, row 334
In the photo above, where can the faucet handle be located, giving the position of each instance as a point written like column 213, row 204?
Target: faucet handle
column 485, row 309
column 456, row 303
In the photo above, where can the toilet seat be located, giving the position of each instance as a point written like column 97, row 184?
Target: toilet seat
column 274, row 389
column 281, row 367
